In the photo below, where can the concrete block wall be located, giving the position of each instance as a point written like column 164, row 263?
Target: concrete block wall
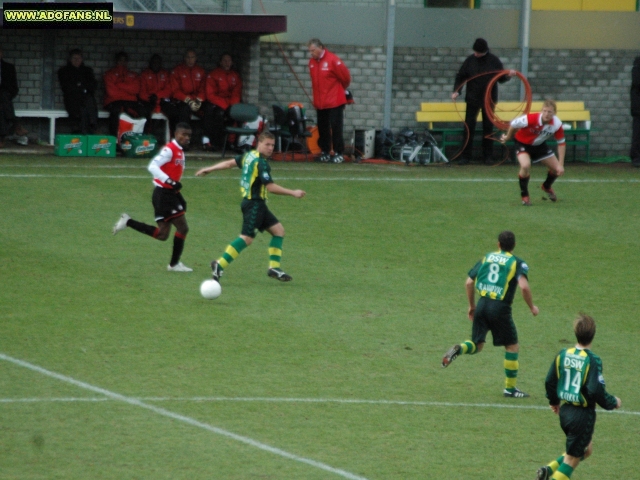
column 282, row 85
column 428, row 75
column 600, row 78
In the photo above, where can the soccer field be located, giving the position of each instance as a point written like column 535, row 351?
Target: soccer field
column 113, row 368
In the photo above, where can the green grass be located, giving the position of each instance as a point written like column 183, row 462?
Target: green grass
column 379, row 256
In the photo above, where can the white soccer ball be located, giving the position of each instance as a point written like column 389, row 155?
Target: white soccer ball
column 210, row 289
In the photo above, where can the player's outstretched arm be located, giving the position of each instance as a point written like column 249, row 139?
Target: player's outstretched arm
column 278, row 190
column 507, row 136
column 223, row 165
column 523, row 283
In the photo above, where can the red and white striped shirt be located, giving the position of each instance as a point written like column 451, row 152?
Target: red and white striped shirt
column 533, row 132
column 168, row 163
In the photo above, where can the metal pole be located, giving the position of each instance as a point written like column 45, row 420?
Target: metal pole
column 525, row 32
column 388, row 80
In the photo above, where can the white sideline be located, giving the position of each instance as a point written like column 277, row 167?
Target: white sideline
column 328, row 179
column 181, row 418
column 348, row 401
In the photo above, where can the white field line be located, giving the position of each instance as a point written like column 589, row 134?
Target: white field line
column 176, row 416
column 348, row 401
column 330, row 179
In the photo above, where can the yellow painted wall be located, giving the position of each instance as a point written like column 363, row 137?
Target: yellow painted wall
column 585, row 5
column 610, row 5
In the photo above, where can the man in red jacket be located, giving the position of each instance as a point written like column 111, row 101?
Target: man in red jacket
column 329, row 80
column 223, row 89
column 155, row 89
column 188, row 90
column 122, row 87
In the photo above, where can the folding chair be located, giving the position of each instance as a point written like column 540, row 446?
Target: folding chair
column 298, row 128
column 241, row 113
column 280, row 128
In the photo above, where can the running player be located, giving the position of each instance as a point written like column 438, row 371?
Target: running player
column 496, row 278
column 574, row 385
column 168, row 203
column 255, row 182
column 531, row 132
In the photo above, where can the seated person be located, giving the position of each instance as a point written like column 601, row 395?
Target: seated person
column 187, row 87
column 121, row 93
column 155, row 90
column 8, row 91
column 78, row 89
column 223, row 89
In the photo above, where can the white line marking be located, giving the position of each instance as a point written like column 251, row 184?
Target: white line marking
column 181, row 418
column 304, row 400
column 332, row 179
column 53, row 400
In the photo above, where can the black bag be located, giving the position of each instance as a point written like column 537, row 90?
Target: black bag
column 384, row 141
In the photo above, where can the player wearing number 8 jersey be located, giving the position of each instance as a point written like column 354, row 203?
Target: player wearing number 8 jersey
column 574, row 386
column 496, row 278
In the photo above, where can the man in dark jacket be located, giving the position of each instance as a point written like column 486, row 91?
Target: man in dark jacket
column 8, row 91
column 635, row 112
column 78, row 88
column 475, row 73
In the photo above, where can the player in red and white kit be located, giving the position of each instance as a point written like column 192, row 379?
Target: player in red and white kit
column 168, row 203
column 531, row 132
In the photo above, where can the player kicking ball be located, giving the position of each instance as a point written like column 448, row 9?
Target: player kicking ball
column 255, row 182
column 169, row 205
column 531, row 134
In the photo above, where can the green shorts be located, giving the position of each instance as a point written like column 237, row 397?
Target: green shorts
column 256, row 215
column 578, row 424
column 495, row 316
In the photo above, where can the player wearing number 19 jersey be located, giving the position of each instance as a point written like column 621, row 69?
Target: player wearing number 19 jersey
column 574, row 386
column 496, row 278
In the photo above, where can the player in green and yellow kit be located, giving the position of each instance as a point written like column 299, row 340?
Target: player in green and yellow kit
column 255, row 182
column 574, row 386
column 496, row 278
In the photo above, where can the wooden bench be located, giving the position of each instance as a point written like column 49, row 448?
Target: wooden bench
column 53, row 115
column 445, row 114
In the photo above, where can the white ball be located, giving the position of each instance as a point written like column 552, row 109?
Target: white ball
column 210, row 289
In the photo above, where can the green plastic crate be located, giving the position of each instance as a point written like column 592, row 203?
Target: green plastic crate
column 70, row 146
column 138, row 145
column 101, row 146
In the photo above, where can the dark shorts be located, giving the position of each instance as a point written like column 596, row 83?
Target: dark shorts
column 578, row 424
column 167, row 204
column 256, row 215
column 494, row 316
column 536, row 152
